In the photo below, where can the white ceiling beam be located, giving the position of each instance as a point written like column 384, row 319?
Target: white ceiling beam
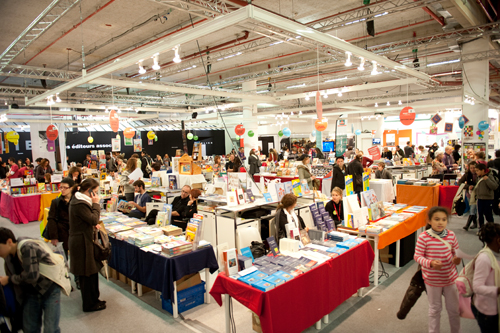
column 182, row 90
column 108, row 106
column 360, row 87
column 337, row 43
column 164, row 45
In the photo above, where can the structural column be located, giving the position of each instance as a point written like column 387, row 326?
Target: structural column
column 250, row 120
column 475, row 77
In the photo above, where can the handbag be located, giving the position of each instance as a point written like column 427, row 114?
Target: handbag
column 102, row 246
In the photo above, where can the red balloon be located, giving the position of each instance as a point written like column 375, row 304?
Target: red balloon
column 129, row 132
column 114, row 121
column 239, row 130
column 407, row 116
column 52, row 132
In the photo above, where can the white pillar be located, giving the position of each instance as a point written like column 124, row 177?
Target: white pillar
column 476, row 82
column 250, row 112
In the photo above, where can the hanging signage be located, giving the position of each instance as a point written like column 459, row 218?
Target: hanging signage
column 114, row 121
column 407, row 116
column 319, row 105
column 52, row 132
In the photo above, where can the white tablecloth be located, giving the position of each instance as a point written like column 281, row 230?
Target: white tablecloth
column 383, row 189
column 191, row 179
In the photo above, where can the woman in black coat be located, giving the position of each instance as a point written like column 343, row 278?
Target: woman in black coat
column 338, row 173
column 254, row 163
column 58, row 219
column 355, row 169
column 84, row 213
column 285, row 214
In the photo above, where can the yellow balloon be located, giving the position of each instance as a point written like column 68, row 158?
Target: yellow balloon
column 13, row 137
column 90, row 139
column 151, row 135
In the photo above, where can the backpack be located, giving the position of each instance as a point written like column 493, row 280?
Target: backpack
column 148, row 165
column 466, row 276
column 58, row 272
column 459, row 201
column 102, row 246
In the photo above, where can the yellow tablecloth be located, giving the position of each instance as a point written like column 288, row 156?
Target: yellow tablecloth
column 403, row 229
column 44, row 221
column 45, row 200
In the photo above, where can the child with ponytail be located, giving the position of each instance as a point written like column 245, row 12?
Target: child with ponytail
column 486, row 283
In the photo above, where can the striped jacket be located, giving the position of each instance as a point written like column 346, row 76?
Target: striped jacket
column 429, row 248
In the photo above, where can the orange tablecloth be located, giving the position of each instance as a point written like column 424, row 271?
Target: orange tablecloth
column 414, row 195
column 45, row 200
column 403, row 229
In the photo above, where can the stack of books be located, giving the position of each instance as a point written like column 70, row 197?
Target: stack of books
column 155, row 232
column 171, row 230
column 414, row 209
column 371, row 229
column 143, row 240
column 337, row 236
column 176, row 248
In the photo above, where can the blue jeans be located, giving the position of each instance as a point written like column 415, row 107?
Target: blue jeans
column 49, row 304
column 486, row 323
column 484, row 209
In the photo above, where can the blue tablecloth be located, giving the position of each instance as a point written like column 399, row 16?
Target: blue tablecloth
column 156, row 271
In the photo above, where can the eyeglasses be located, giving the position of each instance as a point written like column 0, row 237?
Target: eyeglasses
column 185, row 192
column 64, row 187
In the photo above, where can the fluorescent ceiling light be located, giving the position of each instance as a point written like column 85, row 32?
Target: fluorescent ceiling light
column 296, row 86
column 443, row 63
column 339, row 79
column 276, row 43
column 378, row 15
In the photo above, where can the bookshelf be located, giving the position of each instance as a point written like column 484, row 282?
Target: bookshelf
column 197, row 156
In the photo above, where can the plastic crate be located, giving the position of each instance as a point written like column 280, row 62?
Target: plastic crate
column 187, row 298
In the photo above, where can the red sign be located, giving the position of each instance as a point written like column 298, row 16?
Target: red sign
column 407, row 116
column 239, row 130
column 114, row 121
column 319, row 105
column 52, row 132
column 374, row 152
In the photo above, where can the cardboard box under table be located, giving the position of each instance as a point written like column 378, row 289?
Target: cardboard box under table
column 159, row 272
column 305, row 300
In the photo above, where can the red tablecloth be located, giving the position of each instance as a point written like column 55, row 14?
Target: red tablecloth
column 301, row 302
column 22, row 209
column 256, row 178
column 446, row 195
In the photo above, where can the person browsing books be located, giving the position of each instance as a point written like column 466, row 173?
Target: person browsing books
column 230, row 164
column 382, row 172
column 338, row 173
column 58, row 219
column 39, row 295
column 305, row 172
column 126, row 182
column 14, row 169
column 335, row 207
column 180, row 207
column 285, row 214
column 140, row 200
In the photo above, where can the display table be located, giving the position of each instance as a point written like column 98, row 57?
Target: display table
column 303, row 301
column 20, row 209
column 414, row 195
column 383, row 188
column 191, row 179
column 446, row 195
column 282, row 179
column 45, row 201
column 394, row 234
column 159, row 272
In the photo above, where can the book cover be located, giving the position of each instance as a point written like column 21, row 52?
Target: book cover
column 263, row 285
column 271, row 241
column 247, row 252
column 366, row 181
column 321, row 207
column 26, row 181
column 297, row 189
column 271, row 189
column 305, row 187
column 250, row 196
column 155, row 181
column 172, row 182
column 349, row 185
column 41, row 187
column 268, row 197
column 230, row 262
column 288, row 187
column 231, row 198
column 280, row 189
column 240, row 196
column 244, row 262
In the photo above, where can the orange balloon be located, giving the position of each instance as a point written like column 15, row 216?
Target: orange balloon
column 321, row 124
column 129, row 132
column 114, row 121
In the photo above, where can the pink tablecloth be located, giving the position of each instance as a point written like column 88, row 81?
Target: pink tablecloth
column 22, row 209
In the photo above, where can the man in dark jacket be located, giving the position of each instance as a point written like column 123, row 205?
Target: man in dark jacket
column 37, row 293
column 387, row 154
column 382, row 172
column 409, row 153
column 144, row 164
column 485, row 193
column 496, row 162
column 338, row 177
column 432, row 150
column 400, row 152
column 355, row 169
column 179, row 204
column 110, row 163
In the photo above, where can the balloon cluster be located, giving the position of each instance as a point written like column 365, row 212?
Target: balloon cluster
column 480, row 134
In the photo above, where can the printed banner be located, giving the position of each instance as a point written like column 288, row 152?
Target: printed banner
column 366, row 181
column 349, row 185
